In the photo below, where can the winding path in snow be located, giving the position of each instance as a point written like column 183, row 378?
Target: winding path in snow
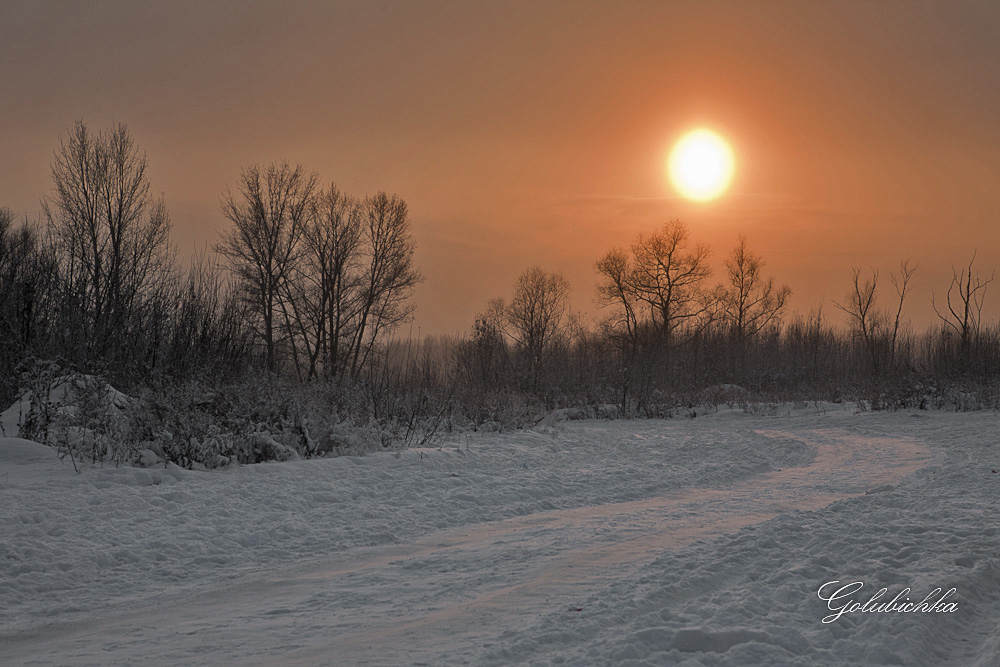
column 447, row 597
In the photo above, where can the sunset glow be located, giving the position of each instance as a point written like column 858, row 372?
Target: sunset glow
column 450, row 332
column 701, row 165
column 556, row 151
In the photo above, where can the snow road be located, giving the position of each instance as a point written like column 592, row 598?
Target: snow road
column 550, row 531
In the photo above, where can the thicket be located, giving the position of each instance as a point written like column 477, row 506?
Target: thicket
column 286, row 339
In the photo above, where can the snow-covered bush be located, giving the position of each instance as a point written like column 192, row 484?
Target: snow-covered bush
column 197, row 423
column 82, row 415
column 92, row 424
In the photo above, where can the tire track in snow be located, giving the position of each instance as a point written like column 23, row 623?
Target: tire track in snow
column 444, row 598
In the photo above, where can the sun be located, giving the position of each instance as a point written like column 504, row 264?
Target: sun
column 701, row 165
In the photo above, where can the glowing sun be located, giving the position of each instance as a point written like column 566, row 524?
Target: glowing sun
column 701, row 165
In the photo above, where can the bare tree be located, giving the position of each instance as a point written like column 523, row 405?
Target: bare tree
column 6, row 223
column 487, row 353
column 664, row 277
column 616, row 289
column 535, row 315
column 112, row 236
column 388, row 277
column 861, row 306
column 326, row 275
column 750, row 303
column 901, row 283
column 333, row 242
column 873, row 326
column 269, row 213
column 495, row 316
column 208, row 324
column 26, row 272
column 965, row 309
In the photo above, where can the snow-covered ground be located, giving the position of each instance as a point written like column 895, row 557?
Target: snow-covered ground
column 688, row 541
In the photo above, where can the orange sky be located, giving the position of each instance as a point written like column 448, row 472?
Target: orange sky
column 525, row 133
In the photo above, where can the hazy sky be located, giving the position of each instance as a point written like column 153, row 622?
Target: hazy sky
column 525, row 133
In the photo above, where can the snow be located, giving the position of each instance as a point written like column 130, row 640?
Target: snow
column 686, row 541
column 63, row 396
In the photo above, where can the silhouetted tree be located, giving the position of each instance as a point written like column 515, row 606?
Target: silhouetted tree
column 111, row 235
column 901, row 283
column 269, row 213
column 388, row 276
column 616, row 289
column 536, row 314
column 487, row 354
column 750, row 303
column 27, row 274
column 879, row 332
column 333, row 241
column 664, row 277
column 965, row 308
column 208, row 327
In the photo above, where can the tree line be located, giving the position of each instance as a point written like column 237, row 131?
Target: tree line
column 669, row 336
column 306, row 279
column 310, row 284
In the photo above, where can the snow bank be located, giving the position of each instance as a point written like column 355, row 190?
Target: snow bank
column 750, row 598
column 74, row 544
column 508, row 549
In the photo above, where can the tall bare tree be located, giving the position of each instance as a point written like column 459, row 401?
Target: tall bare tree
column 269, row 213
column 664, row 279
column 27, row 274
column 901, row 282
column 389, row 275
column 750, row 302
column 875, row 327
column 487, row 353
column 333, row 242
column 112, row 236
column 536, row 314
column 964, row 308
column 208, row 323
column 616, row 289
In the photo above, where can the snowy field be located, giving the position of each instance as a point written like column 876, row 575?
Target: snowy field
column 689, row 541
